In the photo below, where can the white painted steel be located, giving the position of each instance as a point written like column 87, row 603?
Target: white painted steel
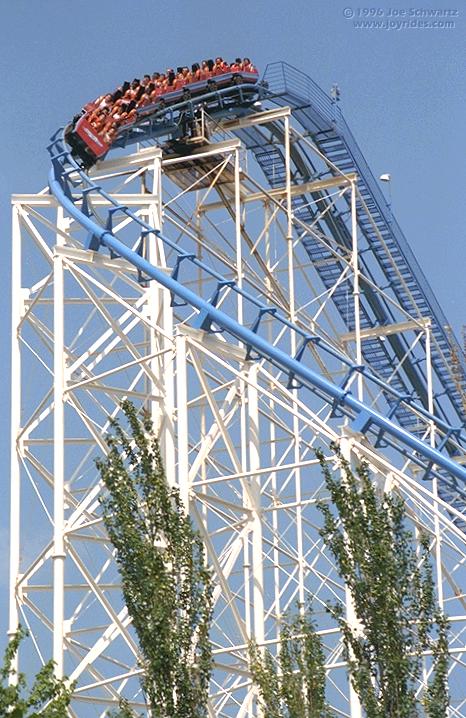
column 237, row 437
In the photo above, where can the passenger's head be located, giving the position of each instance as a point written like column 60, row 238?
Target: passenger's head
column 155, row 75
column 247, row 61
column 238, row 61
column 195, row 67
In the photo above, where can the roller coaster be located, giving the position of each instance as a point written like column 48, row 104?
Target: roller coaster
column 232, row 265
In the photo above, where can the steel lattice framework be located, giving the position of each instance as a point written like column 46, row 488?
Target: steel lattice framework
column 260, row 302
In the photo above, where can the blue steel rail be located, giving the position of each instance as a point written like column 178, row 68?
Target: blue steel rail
column 384, row 430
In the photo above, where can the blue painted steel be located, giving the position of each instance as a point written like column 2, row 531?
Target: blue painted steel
column 389, row 390
column 366, row 417
column 155, row 122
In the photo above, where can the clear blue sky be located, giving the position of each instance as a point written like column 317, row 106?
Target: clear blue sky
column 403, row 95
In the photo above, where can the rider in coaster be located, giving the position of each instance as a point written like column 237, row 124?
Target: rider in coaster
column 220, row 66
column 237, row 65
column 206, row 71
column 187, row 74
column 248, row 66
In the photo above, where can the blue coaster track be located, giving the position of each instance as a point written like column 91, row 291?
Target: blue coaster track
column 321, row 122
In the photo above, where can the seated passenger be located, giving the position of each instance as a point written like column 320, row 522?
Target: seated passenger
column 248, row 66
column 187, row 75
column 98, row 119
column 156, row 92
column 110, row 135
column 237, row 65
column 133, row 90
column 143, row 100
column 128, row 95
column 106, row 101
column 116, row 114
column 206, row 71
column 130, row 117
column 138, row 93
column 162, row 84
column 179, row 81
column 170, row 78
column 220, row 66
column 195, row 72
column 145, row 80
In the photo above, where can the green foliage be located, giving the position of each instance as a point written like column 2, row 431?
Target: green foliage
column 49, row 697
column 166, row 585
column 294, row 685
column 124, row 711
column 393, row 595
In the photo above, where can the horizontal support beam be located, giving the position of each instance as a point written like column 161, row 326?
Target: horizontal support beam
column 219, row 148
column 385, row 331
column 260, row 118
column 34, row 200
column 131, row 162
column 280, row 192
column 127, row 200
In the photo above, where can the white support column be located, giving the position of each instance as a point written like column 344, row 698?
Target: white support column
column 356, row 291
column 182, row 427
column 239, row 249
column 272, row 442
column 257, row 566
column 58, row 457
column 355, row 705
column 293, row 348
column 153, row 291
column 289, row 209
column 430, row 406
column 15, row 479
column 161, row 313
column 257, row 547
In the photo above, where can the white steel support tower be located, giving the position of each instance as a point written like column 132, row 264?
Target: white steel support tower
column 238, row 434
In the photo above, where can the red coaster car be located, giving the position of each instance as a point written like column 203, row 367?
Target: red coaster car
column 91, row 138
